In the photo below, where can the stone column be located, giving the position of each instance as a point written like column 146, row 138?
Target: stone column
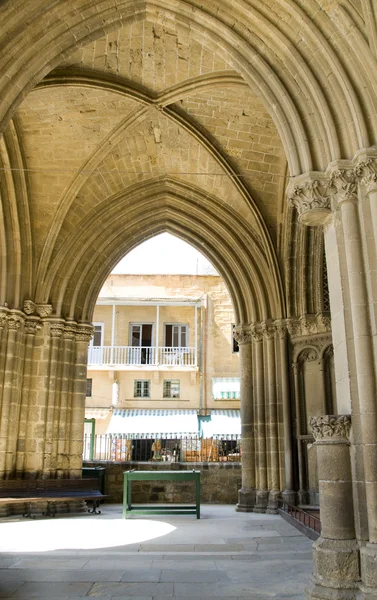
column 84, row 333
column 366, row 170
column 64, row 423
column 335, row 553
column 51, row 415
column 289, row 494
column 246, row 495
column 302, row 492
column 8, row 434
column 260, row 424
column 32, row 324
column 272, row 433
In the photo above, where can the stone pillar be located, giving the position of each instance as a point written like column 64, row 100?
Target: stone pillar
column 272, row 432
column 302, row 492
column 64, row 422
column 32, row 325
column 366, row 170
column 260, row 424
column 11, row 388
column 289, row 494
column 52, row 411
column 335, row 553
column 83, row 336
column 246, row 495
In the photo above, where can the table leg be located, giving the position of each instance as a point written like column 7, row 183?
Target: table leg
column 125, row 496
column 198, row 496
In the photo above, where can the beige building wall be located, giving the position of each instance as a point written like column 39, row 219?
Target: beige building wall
column 215, row 319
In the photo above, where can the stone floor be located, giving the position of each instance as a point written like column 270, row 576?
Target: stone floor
column 225, row 555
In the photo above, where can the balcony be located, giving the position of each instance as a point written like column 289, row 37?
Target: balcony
column 144, row 356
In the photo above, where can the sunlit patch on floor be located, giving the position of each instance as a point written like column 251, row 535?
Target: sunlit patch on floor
column 81, row 534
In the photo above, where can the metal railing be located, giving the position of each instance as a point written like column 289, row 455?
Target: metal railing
column 298, row 514
column 123, row 448
column 141, row 355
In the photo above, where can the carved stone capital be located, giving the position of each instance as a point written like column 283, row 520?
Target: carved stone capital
column 281, row 328
column 293, row 327
column 44, row 310
column 29, row 307
column 84, row 333
column 14, row 322
column 242, row 334
column 344, row 185
column 268, row 331
column 69, row 332
column 56, row 328
column 331, row 429
column 32, row 324
column 308, row 325
column 365, row 169
column 3, row 320
column 312, row 199
column 256, row 333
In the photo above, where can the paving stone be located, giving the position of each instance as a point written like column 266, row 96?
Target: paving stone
column 44, row 589
column 135, row 575
column 131, row 589
column 197, row 576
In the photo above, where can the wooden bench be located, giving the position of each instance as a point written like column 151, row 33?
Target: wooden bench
column 50, row 492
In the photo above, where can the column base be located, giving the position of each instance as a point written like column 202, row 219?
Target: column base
column 273, row 503
column 246, row 500
column 368, row 561
column 336, row 570
column 289, row 496
column 261, row 501
column 302, row 497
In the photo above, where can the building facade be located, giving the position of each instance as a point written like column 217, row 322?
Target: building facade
column 163, row 343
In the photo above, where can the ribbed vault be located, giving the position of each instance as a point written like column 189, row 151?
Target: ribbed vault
column 81, row 265
column 295, row 56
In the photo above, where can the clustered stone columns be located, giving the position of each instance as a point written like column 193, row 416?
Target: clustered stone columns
column 42, row 409
column 266, row 460
column 335, row 554
column 344, row 201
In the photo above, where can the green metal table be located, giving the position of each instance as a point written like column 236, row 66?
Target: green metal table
column 160, row 509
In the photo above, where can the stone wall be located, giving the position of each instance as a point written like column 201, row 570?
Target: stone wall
column 220, row 482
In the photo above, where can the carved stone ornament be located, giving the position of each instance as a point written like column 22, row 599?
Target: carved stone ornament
column 56, row 329
column 344, row 185
column 242, row 335
column 366, row 171
column 32, row 325
column 44, row 310
column 308, row 355
column 281, row 329
column 14, row 322
column 29, row 307
column 69, row 332
column 268, row 331
column 84, row 333
column 256, row 334
column 3, row 320
column 309, row 325
column 312, row 201
column 331, row 428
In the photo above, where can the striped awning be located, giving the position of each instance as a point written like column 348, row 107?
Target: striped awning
column 225, row 424
column 225, row 388
column 154, row 424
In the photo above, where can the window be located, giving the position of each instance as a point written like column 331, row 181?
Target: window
column 142, row 388
column 235, row 346
column 97, row 339
column 225, row 388
column 176, row 336
column 89, row 383
column 171, row 388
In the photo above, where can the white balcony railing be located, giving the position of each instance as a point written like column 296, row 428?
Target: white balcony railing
column 141, row 356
